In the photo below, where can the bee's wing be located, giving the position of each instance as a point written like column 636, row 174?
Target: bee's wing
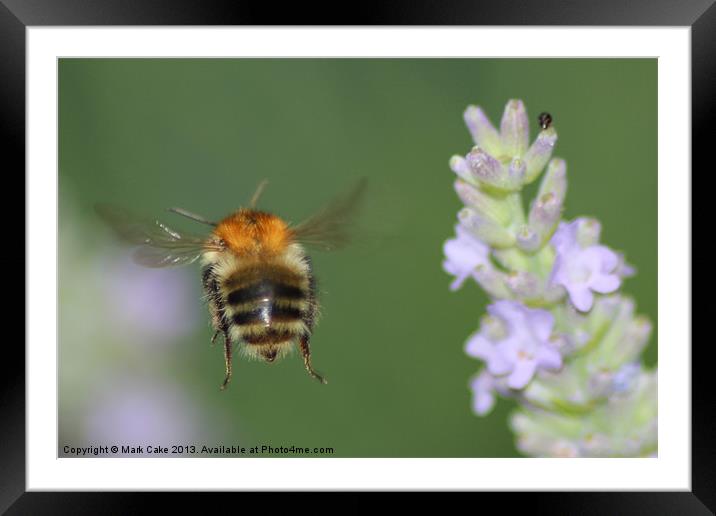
column 158, row 244
column 330, row 228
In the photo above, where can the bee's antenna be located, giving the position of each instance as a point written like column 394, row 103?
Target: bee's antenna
column 192, row 216
column 257, row 193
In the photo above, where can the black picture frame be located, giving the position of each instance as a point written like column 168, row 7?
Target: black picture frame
column 17, row 15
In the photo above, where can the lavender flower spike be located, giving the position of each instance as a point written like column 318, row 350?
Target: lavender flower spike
column 558, row 336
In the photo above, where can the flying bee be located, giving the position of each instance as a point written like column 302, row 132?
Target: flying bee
column 545, row 120
column 257, row 278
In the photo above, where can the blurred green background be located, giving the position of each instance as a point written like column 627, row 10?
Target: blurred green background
column 135, row 360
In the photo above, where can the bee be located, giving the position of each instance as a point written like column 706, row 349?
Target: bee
column 545, row 120
column 257, row 278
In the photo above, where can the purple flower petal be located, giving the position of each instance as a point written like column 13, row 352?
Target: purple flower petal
column 483, row 393
column 605, row 283
column 463, row 254
column 521, row 347
column 549, row 358
column 600, row 258
column 584, row 270
column 458, row 282
column 541, row 323
column 623, row 269
column 509, row 311
column 479, row 347
column 610, row 259
column 498, row 364
column 522, row 373
column 565, row 237
column 581, row 297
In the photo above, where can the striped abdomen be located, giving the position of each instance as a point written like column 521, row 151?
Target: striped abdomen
column 268, row 307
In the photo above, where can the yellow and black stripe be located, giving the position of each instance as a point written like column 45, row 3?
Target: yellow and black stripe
column 268, row 306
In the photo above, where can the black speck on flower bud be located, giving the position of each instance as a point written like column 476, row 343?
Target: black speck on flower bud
column 545, row 120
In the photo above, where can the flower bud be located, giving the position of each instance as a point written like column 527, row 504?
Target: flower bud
column 547, row 208
column 599, row 383
column 608, row 353
column 524, row 285
column 555, row 179
column 490, row 172
column 527, row 239
column 544, row 215
column 492, row 281
column 588, row 232
column 483, row 132
column 485, row 229
column 626, row 377
column 516, row 171
column 485, row 205
column 539, row 153
column 459, row 165
column 634, row 339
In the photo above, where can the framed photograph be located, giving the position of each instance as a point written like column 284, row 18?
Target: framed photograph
column 406, row 256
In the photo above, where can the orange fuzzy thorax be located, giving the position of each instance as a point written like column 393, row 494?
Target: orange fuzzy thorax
column 249, row 232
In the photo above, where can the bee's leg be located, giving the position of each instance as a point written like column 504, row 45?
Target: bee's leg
column 213, row 297
column 227, row 359
column 309, row 319
column 306, row 352
column 218, row 317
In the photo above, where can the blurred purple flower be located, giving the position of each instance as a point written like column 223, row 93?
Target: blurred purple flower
column 138, row 412
column 162, row 303
column 483, row 393
column 463, row 255
column 583, row 270
column 518, row 344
